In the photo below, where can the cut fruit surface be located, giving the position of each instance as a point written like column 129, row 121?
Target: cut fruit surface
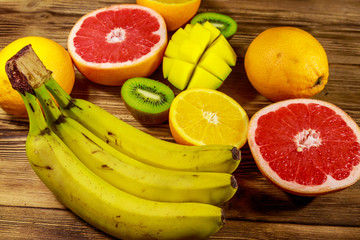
column 305, row 146
column 113, row 44
column 200, row 46
column 147, row 100
column 206, row 116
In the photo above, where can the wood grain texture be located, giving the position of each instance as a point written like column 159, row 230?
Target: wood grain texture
column 259, row 210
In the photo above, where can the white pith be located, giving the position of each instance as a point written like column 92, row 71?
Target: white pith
column 211, row 117
column 330, row 184
column 162, row 32
column 306, row 139
column 116, row 35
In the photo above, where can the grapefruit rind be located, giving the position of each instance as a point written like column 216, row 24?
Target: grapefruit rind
column 115, row 74
column 331, row 184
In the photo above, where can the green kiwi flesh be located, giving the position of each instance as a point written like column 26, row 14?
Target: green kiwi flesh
column 147, row 100
column 224, row 23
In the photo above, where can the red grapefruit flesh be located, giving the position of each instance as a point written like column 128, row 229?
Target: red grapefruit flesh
column 306, row 147
column 113, row 44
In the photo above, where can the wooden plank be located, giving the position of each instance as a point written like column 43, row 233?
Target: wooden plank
column 259, row 210
column 32, row 223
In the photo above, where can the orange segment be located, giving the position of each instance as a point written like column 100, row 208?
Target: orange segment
column 175, row 12
column 206, row 116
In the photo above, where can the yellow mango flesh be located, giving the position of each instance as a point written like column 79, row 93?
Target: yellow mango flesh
column 198, row 56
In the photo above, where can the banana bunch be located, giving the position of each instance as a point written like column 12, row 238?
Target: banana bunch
column 142, row 146
column 119, row 190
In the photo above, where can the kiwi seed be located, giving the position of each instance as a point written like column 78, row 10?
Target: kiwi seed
column 224, row 23
column 147, row 100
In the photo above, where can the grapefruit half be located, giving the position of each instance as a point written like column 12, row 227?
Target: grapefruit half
column 113, row 44
column 306, row 147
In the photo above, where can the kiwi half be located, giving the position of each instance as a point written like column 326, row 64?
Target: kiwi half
column 224, row 23
column 147, row 100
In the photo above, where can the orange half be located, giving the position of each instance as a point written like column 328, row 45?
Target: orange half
column 207, row 116
column 175, row 12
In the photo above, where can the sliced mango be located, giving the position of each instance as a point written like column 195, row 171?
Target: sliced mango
column 214, row 31
column 215, row 65
column 172, row 50
column 180, row 73
column 166, row 66
column 188, row 28
column 200, row 35
column 223, row 49
column 179, row 36
column 203, row 79
column 190, row 51
column 198, row 56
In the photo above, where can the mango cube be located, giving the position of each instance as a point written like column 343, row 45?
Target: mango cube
column 203, row 79
column 190, row 51
column 200, row 35
column 213, row 30
column 180, row 73
column 172, row 50
column 179, row 36
column 215, row 65
column 223, row 48
column 166, row 66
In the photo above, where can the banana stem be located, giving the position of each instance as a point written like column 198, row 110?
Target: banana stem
column 52, row 112
column 60, row 95
column 36, row 118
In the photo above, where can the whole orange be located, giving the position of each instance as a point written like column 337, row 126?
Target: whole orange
column 175, row 12
column 54, row 57
column 286, row 62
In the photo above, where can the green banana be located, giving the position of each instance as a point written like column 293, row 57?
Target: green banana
column 142, row 146
column 90, row 197
column 130, row 175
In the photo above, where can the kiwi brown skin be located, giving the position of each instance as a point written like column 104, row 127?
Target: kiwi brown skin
column 147, row 118
column 229, row 25
column 136, row 94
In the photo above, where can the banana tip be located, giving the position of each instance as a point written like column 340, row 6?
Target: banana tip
column 223, row 216
column 233, row 182
column 236, row 154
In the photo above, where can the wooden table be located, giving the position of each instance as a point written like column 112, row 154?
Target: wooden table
column 259, row 210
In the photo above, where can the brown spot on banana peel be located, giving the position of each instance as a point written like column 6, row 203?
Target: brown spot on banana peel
column 106, row 167
column 111, row 134
column 44, row 167
column 31, row 107
column 72, row 104
column 61, row 119
column 91, row 140
column 45, row 131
